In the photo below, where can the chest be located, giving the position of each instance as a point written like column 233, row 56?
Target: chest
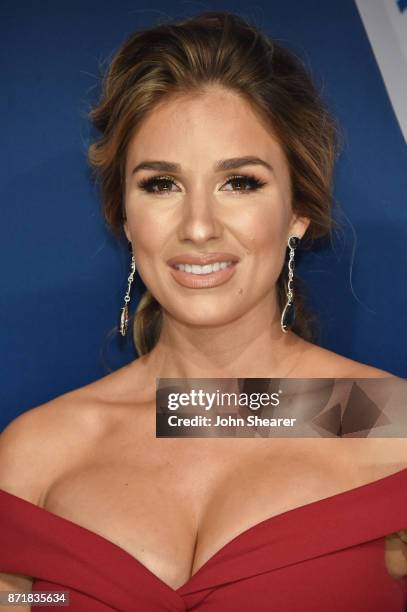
column 172, row 504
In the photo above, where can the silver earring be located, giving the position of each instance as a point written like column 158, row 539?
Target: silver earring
column 124, row 313
column 288, row 314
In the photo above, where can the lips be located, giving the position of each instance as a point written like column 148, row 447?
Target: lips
column 202, row 259
column 203, row 281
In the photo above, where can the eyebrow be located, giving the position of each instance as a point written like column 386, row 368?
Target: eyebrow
column 220, row 165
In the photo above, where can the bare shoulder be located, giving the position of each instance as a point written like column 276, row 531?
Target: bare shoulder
column 326, row 363
column 40, row 444
column 43, row 440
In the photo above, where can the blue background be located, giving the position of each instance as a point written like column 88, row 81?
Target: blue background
column 64, row 276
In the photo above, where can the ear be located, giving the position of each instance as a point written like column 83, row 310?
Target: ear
column 299, row 226
column 127, row 231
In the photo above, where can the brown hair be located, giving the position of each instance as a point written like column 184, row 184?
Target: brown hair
column 184, row 56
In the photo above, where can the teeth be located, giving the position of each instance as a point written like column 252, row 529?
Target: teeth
column 207, row 269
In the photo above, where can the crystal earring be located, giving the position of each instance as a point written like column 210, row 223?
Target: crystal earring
column 288, row 314
column 124, row 313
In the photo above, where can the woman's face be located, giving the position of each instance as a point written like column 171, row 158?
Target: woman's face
column 197, row 208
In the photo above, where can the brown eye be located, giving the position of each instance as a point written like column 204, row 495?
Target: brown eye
column 244, row 183
column 163, row 184
column 157, row 184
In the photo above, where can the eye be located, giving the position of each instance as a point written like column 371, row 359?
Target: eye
column 163, row 184
column 245, row 183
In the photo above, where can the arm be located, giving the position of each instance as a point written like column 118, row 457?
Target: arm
column 14, row 444
column 26, row 446
column 12, row 582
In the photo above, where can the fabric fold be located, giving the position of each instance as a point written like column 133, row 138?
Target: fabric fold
column 333, row 543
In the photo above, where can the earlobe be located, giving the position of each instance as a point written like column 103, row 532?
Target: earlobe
column 299, row 226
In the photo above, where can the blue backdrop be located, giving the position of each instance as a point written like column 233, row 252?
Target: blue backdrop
column 63, row 275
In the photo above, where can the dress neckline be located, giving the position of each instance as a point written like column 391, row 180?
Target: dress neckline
column 246, row 533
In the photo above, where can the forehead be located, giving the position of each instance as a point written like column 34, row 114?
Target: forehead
column 203, row 127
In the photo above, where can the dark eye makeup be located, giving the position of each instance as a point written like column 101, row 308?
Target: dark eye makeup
column 149, row 185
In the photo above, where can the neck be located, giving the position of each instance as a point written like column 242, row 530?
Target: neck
column 251, row 346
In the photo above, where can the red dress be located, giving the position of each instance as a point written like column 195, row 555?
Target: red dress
column 327, row 556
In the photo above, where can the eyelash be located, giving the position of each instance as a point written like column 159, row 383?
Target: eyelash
column 148, row 183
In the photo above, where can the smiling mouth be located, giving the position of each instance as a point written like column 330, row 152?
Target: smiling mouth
column 203, row 277
column 203, row 270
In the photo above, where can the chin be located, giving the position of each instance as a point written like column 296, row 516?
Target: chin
column 204, row 317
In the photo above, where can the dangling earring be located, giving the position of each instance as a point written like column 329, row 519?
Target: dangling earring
column 124, row 316
column 288, row 314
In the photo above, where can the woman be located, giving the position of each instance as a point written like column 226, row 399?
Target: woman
column 214, row 147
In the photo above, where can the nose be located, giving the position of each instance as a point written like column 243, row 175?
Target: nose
column 200, row 219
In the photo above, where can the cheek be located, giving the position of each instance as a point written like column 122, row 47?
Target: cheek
column 263, row 238
column 147, row 244
column 148, row 233
column 264, row 234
